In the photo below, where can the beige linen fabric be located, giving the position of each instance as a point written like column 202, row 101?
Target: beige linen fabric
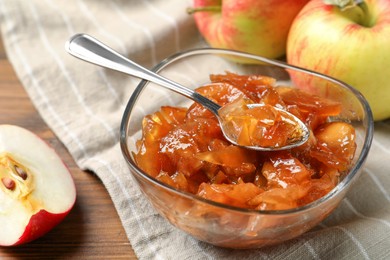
column 83, row 104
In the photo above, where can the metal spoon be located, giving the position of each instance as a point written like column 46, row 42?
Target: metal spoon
column 89, row 49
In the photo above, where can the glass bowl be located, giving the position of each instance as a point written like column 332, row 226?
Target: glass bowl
column 216, row 223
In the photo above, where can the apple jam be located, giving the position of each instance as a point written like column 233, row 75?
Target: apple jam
column 185, row 147
column 259, row 125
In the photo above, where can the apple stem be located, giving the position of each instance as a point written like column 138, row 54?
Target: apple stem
column 191, row 10
column 360, row 5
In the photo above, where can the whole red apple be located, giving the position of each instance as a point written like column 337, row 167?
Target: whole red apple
column 255, row 26
column 350, row 43
column 36, row 189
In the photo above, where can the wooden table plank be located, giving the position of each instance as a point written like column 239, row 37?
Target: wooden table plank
column 92, row 230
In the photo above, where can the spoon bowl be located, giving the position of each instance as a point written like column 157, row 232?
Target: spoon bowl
column 89, row 49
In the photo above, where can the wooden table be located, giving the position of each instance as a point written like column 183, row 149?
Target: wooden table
column 92, row 230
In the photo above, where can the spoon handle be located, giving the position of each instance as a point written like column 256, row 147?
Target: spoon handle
column 89, row 49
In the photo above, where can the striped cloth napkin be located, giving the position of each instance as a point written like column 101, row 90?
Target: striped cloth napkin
column 83, row 105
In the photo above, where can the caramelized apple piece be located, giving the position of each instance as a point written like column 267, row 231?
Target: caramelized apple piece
column 236, row 195
column 320, row 187
column 263, row 126
column 283, row 170
column 279, row 198
column 183, row 142
column 177, row 180
column 233, row 160
column 256, row 87
column 155, row 127
column 313, row 110
column 335, row 145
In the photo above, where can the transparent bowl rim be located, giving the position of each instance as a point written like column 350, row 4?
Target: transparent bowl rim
column 204, row 51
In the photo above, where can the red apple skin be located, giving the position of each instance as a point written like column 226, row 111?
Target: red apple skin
column 41, row 223
column 324, row 39
column 255, row 26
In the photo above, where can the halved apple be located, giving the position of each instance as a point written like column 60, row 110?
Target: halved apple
column 36, row 189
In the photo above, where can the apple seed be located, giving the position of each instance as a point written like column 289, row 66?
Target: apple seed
column 21, row 172
column 8, row 183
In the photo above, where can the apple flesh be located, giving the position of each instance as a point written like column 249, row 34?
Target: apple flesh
column 351, row 45
column 253, row 26
column 36, row 189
